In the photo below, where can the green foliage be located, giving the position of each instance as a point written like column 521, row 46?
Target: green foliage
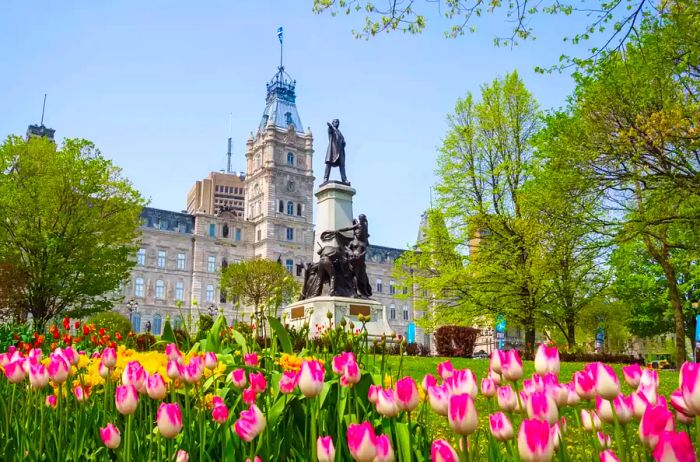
column 168, row 334
column 70, row 225
column 204, row 324
column 281, row 333
column 259, row 282
column 112, row 321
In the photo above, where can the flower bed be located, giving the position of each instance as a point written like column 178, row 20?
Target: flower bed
column 229, row 399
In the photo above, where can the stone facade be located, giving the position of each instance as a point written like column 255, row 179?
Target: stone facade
column 266, row 212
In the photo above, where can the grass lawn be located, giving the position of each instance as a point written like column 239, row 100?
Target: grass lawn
column 579, row 443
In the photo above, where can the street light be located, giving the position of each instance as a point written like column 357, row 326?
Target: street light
column 133, row 307
column 212, row 310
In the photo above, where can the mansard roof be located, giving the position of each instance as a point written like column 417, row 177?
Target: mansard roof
column 166, row 220
column 381, row 254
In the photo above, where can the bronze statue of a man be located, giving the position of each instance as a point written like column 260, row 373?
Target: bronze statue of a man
column 335, row 155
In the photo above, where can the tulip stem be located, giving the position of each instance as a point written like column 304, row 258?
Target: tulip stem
column 410, row 439
column 618, row 441
column 697, row 436
column 313, row 429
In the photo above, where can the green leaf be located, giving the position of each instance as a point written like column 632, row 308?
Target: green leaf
column 282, row 334
column 213, row 342
column 404, row 440
column 240, row 340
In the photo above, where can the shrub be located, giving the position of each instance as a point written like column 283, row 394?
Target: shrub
column 182, row 339
column 144, row 342
column 455, row 340
column 112, row 321
column 204, row 325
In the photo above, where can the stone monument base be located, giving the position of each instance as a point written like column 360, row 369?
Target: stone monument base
column 315, row 311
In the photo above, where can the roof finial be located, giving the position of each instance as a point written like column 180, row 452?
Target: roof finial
column 280, row 36
column 43, row 109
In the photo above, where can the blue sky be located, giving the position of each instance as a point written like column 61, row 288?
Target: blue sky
column 152, row 84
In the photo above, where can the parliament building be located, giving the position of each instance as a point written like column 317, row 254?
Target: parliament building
column 265, row 212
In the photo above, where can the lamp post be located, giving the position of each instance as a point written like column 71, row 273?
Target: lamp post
column 212, row 310
column 133, row 307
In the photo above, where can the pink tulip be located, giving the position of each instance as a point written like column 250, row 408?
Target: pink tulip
column 507, row 400
column 182, row 456
column 445, row 370
column 134, row 374
column 585, row 384
column 288, row 382
column 219, row 414
column 607, row 385
column 462, row 382
column 251, row 359
column 608, row 456
column 311, row 378
column 632, row 374
column 679, row 405
column 193, row 372
column 71, row 355
column 511, row 365
column 535, row 441
column 325, row 449
column 51, row 401
column 547, row 359
column 555, row 433
column 495, row 361
column 109, row 357
column 441, row 451
column 428, row 381
column 38, row 376
column 387, row 403
column 501, row 428
column 590, row 420
column 255, row 459
column 110, row 436
column 373, row 393
column 175, row 369
column 690, row 386
column 210, row 360
column 351, row 375
column 623, row 409
column 103, row 370
column 362, row 442
column 341, row 361
column 155, row 386
column 488, row 387
column 59, row 369
column 649, row 378
column 541, row 406
column 461, row 414
column 572, row 398
column 639, row 404
column 438, row 399
column 674, row 447
column 79, row 393
column 604, row 440
column 407, row 394
column 238, row 378
column 493, row 375
column 249, row 396
column 385, row 453
column 173, row 353
column 250, row 424
column 258, row 383
column 169, row 419
column 656, row 420
column 126, row 398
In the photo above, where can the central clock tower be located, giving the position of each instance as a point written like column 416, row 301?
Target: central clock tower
column 279, row 179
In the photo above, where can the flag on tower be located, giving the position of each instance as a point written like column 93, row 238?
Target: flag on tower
column 279, row 33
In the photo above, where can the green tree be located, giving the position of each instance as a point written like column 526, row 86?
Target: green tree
column 634, row 119
column 260, row 283
column 69, row 225
column 435, row 269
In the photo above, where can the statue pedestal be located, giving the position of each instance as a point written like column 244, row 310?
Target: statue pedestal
column 334, row 201
column 314, row 311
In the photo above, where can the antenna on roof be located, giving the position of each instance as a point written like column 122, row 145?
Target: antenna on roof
column 43, row 109
column 228, row 153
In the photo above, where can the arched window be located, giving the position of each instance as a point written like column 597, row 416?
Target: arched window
column 290, row 208
column 281, row 206
column 224, row 231
column 135, row 323
column 290, row 158
column 157, row 320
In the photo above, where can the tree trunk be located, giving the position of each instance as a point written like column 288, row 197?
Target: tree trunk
column 674, row 297
column 571, row 334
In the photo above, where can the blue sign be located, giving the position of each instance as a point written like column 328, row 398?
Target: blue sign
column 697, row 328
column 411, row 333
column 500, row 324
